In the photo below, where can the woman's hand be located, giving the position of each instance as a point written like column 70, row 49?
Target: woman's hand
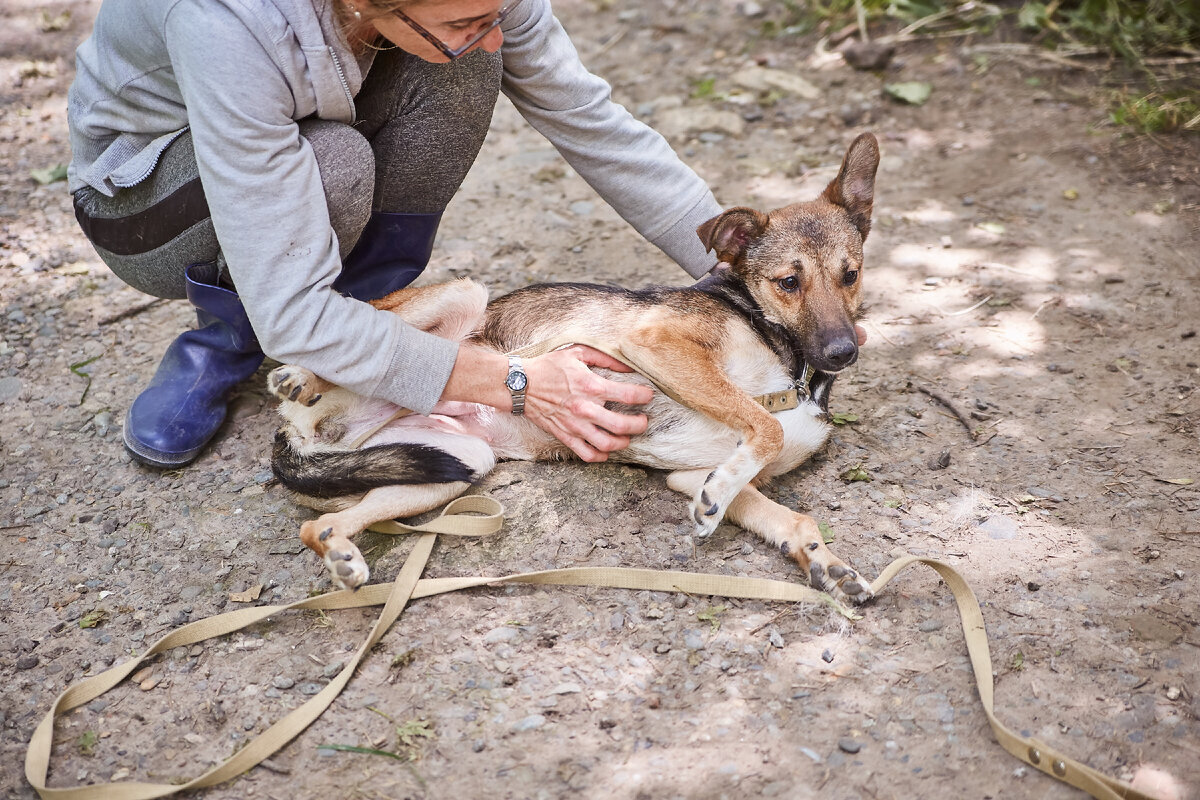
column 566, row 399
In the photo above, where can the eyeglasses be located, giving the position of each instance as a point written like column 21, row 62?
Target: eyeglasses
column 454, row 52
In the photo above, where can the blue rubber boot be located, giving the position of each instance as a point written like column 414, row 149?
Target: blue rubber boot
column 391, row 252
column 172, row 420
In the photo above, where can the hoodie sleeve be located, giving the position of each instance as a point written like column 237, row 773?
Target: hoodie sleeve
column 630, row 165
column 268, row 208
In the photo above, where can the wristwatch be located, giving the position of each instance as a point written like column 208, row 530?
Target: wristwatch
column 516, row 383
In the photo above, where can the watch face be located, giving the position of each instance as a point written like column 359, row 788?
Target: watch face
column 516, row 381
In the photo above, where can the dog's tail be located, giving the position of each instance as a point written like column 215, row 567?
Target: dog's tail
column 340, row 473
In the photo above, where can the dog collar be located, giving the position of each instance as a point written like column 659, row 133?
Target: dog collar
column 789, row 398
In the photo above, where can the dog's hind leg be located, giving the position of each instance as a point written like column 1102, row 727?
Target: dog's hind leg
column 330, row 535
column 796, row 535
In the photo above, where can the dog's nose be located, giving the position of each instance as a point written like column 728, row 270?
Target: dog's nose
column 839, row 352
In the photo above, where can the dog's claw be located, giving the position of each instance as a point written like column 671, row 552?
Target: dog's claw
column 313, row 401
column 294, row 393
column 325, row 534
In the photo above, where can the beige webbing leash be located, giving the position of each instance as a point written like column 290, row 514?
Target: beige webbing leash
column 474, row 515
column 457, row 519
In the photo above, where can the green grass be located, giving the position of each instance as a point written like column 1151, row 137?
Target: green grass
column 1156, row 112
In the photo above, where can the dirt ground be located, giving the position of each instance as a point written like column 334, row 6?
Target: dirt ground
column 1029, row 268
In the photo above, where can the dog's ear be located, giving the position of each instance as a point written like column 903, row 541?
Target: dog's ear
column 727, row 233
column 854, row 187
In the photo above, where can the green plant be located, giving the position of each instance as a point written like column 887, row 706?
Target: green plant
column 1155, row 112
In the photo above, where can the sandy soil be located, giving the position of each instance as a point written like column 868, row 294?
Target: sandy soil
column 1028, row 267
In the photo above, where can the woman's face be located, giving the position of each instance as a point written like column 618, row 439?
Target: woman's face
column 454, row 22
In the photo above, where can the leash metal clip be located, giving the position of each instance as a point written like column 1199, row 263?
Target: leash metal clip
column 802, row 382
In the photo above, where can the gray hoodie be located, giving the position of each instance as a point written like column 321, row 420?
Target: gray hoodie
column 240, row 73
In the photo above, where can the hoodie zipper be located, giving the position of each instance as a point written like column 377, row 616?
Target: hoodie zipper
column 337, row 64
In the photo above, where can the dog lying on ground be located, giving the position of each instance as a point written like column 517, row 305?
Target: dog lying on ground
column 780, row 317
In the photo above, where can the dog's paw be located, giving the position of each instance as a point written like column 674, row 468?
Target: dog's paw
column 347, row 567
column 293, row 383
column 839, row 580
column 710, row 503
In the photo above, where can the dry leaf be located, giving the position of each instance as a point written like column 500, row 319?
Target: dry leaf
column 248, row 596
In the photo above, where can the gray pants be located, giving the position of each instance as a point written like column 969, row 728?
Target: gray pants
column 419, row 128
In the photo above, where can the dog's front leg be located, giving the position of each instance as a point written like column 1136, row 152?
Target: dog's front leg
column 688, row 367
column 329, row 535
column 796, row 535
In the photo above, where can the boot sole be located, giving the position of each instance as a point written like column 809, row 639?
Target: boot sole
column 156, row 459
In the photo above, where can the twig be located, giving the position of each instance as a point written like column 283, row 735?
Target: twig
column 1053, row 301
column 949, row 405
column 616, row 37
column 861, row 13
column 132, row 312
column 879, row 330
column 965, row 310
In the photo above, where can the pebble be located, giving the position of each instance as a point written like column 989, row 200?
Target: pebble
column 827, row 656
column 999, row 527
column 532, row 722
column 506, row 633
column 10, row 389
column 930, row 625
column 27, row 661
column 693, row 640
column 775, row 639
column 333, row 669
column 850, row 746
column 310, row 688
column 282, row 682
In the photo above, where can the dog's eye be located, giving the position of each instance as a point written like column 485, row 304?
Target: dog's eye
column 850, row 277
column 789, row 284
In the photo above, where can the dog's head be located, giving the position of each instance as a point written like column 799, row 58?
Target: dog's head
column 802, row 264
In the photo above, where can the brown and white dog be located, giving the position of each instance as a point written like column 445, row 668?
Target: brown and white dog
column 780, row 317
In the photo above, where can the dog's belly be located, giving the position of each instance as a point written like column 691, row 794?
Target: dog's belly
column 679, row 438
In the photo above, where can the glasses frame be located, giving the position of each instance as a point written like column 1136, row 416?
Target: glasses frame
column 454, row 52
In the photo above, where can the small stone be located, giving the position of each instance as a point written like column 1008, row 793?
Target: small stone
column 850, row 746
column 930, row 625
column 567, row 688
column 310, row 688
column 827, row 656
column 775, row 639
column 282, row 682
column 868, row 55
column 506, row 633
column 10, row 389
column 27, row 661
column 332, row 669
column 532, row 722
column 693, row 640
column 999, row 527
column 478, row 746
